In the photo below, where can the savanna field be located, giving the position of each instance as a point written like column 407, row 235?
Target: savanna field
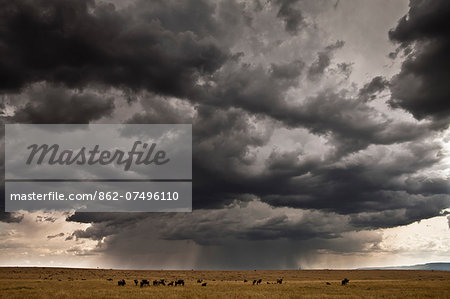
column 102, row 283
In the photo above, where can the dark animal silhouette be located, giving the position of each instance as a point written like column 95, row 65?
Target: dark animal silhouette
column 159, row 282
column 345, row 281
column 144, row 282
column 179, row 282
column 136, row 282
column 328, row 284
column 199, row 280
column 204, row 284
column 257, row 281
column 110, row 279
column 280, row 281
column 245, row 280
column 121, row 282
column 170, row 284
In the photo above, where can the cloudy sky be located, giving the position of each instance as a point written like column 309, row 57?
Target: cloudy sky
column 320, row 128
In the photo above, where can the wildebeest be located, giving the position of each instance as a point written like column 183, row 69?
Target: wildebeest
column 144, row 282
column 204, row 284
column 136, row 282
column 121, row 282
column 328, row 284
column 159, row 282
column 257, row 281
column 170, row 284
column 199, row 280
column 245, row 280
column 179, row 282
column 345, row 281
column 280, row 281
column 110, row 279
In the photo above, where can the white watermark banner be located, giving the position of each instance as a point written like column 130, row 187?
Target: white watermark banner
column 98, row 167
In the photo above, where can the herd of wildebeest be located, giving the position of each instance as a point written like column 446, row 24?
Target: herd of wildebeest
column 180, row 282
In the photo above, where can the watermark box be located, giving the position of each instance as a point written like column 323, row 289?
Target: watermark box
column 98, row 167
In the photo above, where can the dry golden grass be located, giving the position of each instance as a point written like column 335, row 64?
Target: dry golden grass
column 93, row 283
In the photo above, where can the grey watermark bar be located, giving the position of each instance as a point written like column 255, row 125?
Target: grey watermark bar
column 98, row 167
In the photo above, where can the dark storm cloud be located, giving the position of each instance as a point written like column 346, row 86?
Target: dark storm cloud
column 97, row 232
column 366, row 185
column 288, row 71
column 291, row 15
column 262, row 92
column 345, row 69
column 409, row 208
column 371, row 175
column 209, row 229
column 240, row 91
column 361, row 186
column 106, row 224
column 323, row 60
column 319, row 66
column 224, row 133
column 221, row 143
column 159, row 110
column 58, row 106
column 79, row 43
column 422, row 86
column 45, row 219
column 119, row 218
column 239, row 229
column 10, row 217
column 55, row 236
column 369, row 90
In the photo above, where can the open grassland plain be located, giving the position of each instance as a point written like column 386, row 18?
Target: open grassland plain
column 101, row 283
